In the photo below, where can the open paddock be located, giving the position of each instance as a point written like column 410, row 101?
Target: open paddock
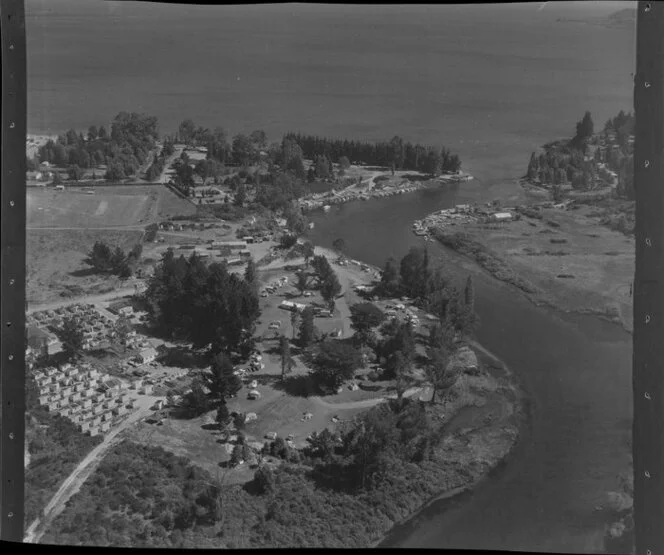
column 55, row 265
column 103, row 206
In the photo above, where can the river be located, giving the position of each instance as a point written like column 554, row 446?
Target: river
column 575, row 369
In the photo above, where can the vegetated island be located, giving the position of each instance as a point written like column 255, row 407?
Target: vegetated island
column 570, row 248
column 298, row 398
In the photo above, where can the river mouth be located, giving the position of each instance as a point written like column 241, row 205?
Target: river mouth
column 575, row 371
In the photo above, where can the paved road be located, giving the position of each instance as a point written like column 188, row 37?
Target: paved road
column 83, row 471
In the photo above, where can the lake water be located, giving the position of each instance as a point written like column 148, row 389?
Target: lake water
column 492, row 82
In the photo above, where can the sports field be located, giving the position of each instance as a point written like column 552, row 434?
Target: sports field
column 102, row 207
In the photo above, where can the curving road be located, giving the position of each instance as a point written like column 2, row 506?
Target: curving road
column 83, row 471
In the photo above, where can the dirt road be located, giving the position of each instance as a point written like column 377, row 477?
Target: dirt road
column 83, row 471
column 88, row 299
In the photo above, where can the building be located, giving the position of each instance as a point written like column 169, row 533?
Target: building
column 146, row 389
column 502, row 216
column 43, row 342
column 146, row 355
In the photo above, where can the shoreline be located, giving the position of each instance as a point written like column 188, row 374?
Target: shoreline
column 350, row 194
column 467, row 238
column 515, row 397
column 521, row 413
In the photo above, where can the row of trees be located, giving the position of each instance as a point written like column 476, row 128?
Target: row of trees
column 327, row 279
column 159, row 163
column 397, row 154
column 123, row 150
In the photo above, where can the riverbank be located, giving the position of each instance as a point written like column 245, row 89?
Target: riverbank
column 379, row 184
column 560, row 257
column 480, row 421
column 489, row 446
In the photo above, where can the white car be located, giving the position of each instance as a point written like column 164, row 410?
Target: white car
column 264, row 294
column 307, row 293
column 253, row 384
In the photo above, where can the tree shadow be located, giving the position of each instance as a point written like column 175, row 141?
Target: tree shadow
column 183, row 357
column 301, row 385
column 85, row 272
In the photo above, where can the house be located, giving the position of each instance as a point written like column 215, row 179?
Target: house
column 94, row 431
column 75, row 397
column 146, row 355
column 158, row 405
column 146, row 389
column 502, row 216
column 42, row 341
column 105, row 426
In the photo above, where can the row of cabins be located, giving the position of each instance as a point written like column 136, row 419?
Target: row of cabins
column 80, row 395
column 96, row 327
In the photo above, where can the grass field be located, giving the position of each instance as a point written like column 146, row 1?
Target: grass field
column 54, row 262
column 109, row 206
column 64, row 225
column 575, row 263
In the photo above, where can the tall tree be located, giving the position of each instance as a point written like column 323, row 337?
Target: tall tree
column 301, row 281
column 396, row 153
column 72, row 338
column 195, row 402
column 220, row 379
column 438, row 371
column 339, row 245
column 296, row 321
column 250, row 272
column 390, row 281
column 244, row 151
column 307, row 328
column 285, row 353
column 330, row 289
column 308, row 251
column 364, row 318
column 335, row 363
column 186, row 131
column 121, row 330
